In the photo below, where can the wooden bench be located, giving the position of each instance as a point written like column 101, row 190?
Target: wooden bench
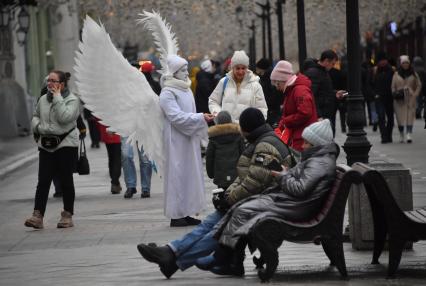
column 400, row 226
column 325, row 228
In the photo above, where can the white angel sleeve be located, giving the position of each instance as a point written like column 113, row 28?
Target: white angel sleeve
column 118, row 93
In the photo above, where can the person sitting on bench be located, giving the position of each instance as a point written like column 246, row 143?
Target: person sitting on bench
column 299, row 197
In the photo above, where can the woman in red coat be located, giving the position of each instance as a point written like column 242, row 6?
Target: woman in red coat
column 299, row 109
column 113, row 144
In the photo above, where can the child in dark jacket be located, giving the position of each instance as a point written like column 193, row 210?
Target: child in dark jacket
column 223, row 151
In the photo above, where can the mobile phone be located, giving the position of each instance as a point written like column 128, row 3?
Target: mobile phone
column 274, row 165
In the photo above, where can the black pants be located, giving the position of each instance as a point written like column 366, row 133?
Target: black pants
column 385, row 113
column 61, row 165
column 94, row 131
column 114, row 162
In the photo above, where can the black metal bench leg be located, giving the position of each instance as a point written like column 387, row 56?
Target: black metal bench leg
column 334, row 251
column 396, row 246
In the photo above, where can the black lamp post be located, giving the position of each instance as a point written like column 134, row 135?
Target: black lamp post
column 301, row 35
column 24, row 24
column 252, row 45
column 263, row 18
column 280, row 28
column 356, row 145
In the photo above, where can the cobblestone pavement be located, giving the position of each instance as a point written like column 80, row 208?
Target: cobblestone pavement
column 101, row 248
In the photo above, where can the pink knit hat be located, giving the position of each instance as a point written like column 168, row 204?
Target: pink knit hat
column 283, row 71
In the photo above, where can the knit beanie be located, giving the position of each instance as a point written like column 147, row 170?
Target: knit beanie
column 404, row 59
column 206, row 66
column 283, row 71
column 175, row 62
column 263, row 64
column 318, row 133
column 250, row 119
column 239, row 58
column 223, row 117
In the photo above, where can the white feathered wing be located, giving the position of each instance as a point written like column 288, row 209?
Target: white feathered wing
column 117, row 92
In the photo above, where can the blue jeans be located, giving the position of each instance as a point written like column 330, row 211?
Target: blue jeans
column 197, row 243
column 129, row 169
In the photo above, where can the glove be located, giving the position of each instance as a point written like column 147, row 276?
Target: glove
column 219, row 200
column 82, row 134
column 36, row 137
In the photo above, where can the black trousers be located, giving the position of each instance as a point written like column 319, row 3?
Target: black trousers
column 95, row 136
column 60, row 165
column 385, row 114
column 114, row 162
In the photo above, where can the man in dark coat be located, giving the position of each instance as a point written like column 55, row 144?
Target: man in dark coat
column 205, row 85
column 254, row 175
column 382, row 83
column 322, row 86
column 299, row 196
column 274, row 98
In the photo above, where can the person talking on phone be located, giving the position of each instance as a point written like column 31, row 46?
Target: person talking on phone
column 54, row 125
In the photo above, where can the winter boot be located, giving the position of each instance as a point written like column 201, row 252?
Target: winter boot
column 36, row 221
column 66, row 220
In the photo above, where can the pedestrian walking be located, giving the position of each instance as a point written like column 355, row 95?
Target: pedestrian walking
column 299, row 108
column 54, row 124
column 205, row 86
column 419, row 68
column 406, row 87
column 239, row 89
column 113, row 145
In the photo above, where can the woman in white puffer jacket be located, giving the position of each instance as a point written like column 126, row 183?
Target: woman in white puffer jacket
column 238, row 90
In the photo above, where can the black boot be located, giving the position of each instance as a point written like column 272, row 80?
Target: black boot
column 163, row 256
column 178, row 222
column 192, row 221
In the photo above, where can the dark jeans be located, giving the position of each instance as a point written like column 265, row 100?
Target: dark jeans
column 59, row 164
column 114, row 162
column 384, row 111
column 94, row 131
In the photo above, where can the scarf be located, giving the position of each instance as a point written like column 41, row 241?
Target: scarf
column 169, row 81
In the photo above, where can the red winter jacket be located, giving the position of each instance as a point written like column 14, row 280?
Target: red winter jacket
column 107, row 137
column 299, row 110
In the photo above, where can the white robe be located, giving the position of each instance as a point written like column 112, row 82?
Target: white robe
column 184, row 193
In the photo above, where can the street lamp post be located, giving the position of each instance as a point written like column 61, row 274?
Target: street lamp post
column 356, row 145
column 263, row 18
column 280, row 28
column 301, row 35
column 252, row 45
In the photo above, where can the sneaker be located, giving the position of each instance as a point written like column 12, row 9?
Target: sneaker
column 129, row 193
column 409, row 139
column 115, row 189
column 401, row 137
column 66, row 220
column 145, row 195
column 178, row 222
column 36, row 221
column 192, row 221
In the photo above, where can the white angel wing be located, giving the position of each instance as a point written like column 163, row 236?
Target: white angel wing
column 118, row 93
column 164, row 38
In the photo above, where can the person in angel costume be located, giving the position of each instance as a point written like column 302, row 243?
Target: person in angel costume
column 167, row 126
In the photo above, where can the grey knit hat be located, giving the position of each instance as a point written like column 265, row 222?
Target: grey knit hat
column 223, row 117
column 318, row 133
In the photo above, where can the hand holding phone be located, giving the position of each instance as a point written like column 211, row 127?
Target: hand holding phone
column 274, row 165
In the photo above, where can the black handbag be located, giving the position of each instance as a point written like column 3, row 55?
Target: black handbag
column 399, row 95
column 82, row 163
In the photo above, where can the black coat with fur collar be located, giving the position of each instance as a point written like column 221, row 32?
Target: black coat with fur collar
column 225, row 147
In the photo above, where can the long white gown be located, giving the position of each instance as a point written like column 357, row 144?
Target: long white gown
column 184, row 193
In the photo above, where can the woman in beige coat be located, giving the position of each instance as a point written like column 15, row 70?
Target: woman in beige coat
column 407, row 83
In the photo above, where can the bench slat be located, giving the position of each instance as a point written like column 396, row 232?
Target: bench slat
column 411, row 215
column 422, row 211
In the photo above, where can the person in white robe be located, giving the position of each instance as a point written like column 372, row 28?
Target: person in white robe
column 184, row 193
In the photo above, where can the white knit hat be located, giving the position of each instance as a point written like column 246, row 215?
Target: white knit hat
column 206, row 66
column 239, row 58
column 318, row 133
column 404, row 59
column 175, row 62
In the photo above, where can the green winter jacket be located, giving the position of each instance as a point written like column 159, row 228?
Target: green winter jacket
column 57, row 117
column 254, row 176
column 223, row 151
